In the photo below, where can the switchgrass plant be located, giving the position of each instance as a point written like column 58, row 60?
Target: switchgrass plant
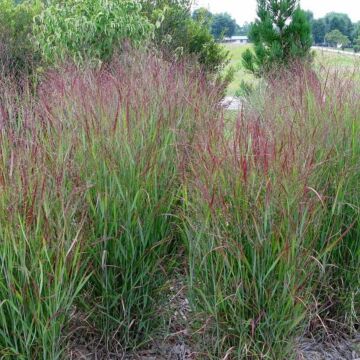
column 341, row 255
column 41, row 223
column 272, row 214
column 101, row 167
column 89, row 176
column 131, row 121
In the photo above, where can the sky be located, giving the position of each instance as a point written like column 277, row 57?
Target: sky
column 245, row 10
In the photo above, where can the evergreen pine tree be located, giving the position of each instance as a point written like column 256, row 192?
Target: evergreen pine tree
column 281, row 35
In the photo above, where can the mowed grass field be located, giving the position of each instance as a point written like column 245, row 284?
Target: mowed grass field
column 323, row 59
column 236, row 52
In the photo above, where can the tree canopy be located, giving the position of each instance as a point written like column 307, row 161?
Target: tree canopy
column 338, row 21
column 203, row 15
column 357, row 45
column 223, row 25
column 243, row 29
column 74, row 28
column 336, row 38
column 318, row 31
column 177, row 33
column 331, row 21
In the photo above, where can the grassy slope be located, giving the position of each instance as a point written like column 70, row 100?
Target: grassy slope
column 322, row 59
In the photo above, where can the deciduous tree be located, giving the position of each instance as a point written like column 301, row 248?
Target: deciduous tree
column 89, row 29
column 319, row 31
column 223, row 25
column 179, row 34
column 336, row 38
column 338, row 21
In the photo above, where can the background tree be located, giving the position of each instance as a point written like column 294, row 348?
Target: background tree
column 89, row 29
column 318, row 31
column 178, row 34
column 169, row 18
column 332, row 21
column 18, row 55
column 357, row 45
column 281, row 34
column 243, row 30
column 356, row 31
column 203, row 15
column 309, row 16
column 336, row 38
column 223, row 25
column 338, row 21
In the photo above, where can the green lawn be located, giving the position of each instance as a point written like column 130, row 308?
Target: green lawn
column 241, row 74
column 336, row 60
column 322, row 59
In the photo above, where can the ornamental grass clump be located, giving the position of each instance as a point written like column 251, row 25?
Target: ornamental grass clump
column 90, row 177
column 129, row 123
column 273, row 219
column 106, row 173
column 42, row 216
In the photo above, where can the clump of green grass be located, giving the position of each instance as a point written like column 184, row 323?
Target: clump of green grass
column 41, row 224
column 272, row 220
column 90, row 172
column 96, row 168
column 127, row 145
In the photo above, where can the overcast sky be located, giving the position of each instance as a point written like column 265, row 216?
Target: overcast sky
column 245, row 10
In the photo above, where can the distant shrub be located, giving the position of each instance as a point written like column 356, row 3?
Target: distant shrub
column 17, row 54
column 357, row 45
column 177, row 34
column 202, row 44
column 89, row 29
